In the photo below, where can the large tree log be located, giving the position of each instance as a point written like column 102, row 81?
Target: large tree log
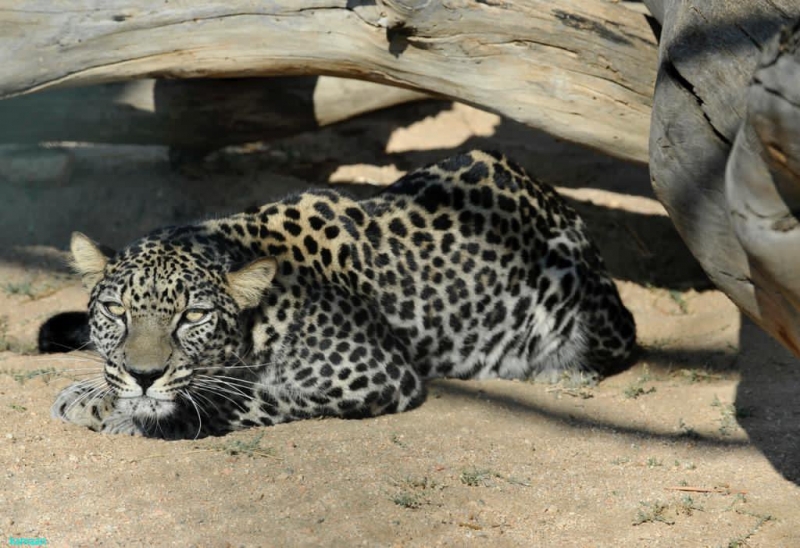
column 197, row 114
column 579, row 70
column 763, row 187
column 708, row 53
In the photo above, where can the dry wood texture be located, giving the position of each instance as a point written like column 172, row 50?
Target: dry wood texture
column 581, row 69
column 763, row 187
column 708, row 53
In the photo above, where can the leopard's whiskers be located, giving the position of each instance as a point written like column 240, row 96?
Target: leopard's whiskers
column 242, row 383
column 70, row 358
column 222, row 392
column 216, row 388
column 206, row 399
column 185, row 393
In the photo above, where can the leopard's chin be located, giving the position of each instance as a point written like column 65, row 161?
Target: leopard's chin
column 146, row 408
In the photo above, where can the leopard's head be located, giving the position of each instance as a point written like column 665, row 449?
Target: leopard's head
column 165, row 314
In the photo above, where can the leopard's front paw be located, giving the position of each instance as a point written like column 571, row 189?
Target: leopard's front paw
column 88, row 405
column 82, row 404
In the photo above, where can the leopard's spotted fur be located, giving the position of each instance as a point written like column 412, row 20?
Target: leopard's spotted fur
column 322, row 305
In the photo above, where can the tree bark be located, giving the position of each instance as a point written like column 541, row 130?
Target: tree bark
column 708, row 53
column 763, row 187
column 194, row 114
column 579, row 70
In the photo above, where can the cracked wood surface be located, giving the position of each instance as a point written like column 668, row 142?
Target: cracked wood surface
column 583, row 71
column 763, row 187
column 708, row 53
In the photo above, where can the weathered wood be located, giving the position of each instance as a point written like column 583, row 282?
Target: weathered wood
column 708, row 53
column 656, row 8
column 763, row 187
column 583, row 71
column 203, row 114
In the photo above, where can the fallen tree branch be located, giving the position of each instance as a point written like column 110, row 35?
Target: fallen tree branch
column 716, row 490
column 582, row 71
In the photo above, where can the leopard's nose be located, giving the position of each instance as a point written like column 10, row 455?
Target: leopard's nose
column 145, row 379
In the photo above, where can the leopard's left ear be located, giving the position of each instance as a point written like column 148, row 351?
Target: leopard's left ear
column 248, row 284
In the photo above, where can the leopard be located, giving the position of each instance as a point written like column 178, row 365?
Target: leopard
column 322, row 305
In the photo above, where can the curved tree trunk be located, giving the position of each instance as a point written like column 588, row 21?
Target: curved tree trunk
column 581, row 70
column 708, row 53
column 763, row 187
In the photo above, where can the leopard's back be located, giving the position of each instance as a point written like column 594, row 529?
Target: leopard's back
column 478, row 270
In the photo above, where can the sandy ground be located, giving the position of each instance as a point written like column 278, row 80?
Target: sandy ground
column 698, row 444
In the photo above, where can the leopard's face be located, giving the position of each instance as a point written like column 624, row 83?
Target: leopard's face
column 165, row 326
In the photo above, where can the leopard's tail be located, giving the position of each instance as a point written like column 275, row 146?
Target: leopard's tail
column 65, row 332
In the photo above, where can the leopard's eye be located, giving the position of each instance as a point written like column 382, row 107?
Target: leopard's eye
column 196, row 315
column 113, row 309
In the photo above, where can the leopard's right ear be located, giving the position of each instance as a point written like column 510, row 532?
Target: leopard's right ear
column 88, row 258
column 247, row 285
